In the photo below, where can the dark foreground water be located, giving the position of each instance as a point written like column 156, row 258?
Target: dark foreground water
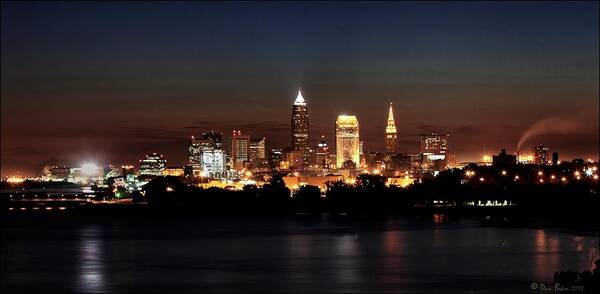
column 295, row 254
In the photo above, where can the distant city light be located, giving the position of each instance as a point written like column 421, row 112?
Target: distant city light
column 89, row 169
column 15, row 179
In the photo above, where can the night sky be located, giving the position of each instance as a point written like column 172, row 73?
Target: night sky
column 110, row 82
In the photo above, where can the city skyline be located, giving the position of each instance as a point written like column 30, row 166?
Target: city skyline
column 69, row 96
column 299, row 101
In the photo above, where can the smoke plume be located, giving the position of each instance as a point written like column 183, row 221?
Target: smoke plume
column 553, row 125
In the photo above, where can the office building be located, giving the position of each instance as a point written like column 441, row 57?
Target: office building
column 299, row 124
column 390, row 133
column 275, row 158
column 258, row 149
column 153, row 165
column 540, row 155
column 347, row 140
column 240, row 149
column 215, row 137
column 322, row 153
column 57, row 173
column 434, row 146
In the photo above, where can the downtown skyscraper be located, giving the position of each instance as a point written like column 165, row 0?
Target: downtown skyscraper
column 240, row 149
column 206, row 156
column 299, row 124
column 347, row 140
column 390, row 133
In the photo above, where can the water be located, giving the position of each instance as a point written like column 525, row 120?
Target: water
column 296, row 254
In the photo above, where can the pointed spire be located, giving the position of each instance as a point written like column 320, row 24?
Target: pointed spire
column 391, row 125
column 299, row 99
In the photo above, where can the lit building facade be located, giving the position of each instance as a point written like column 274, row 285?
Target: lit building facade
column 275, row 158
column 240, row 149
column 57, row 173
column 434, row 146
column 347, row 140
column 540, row 154
column 299, row 124
column 153, row 165
column 322, row 153
column 196, row 149
column 173, row 171
column 215, row 137
column 214, row 163
column 258, row 149
column 390, row 133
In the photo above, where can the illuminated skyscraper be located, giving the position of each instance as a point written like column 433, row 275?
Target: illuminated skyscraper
column 347, row 140
column 390, row 133
column 299, row 124
column 153, row 165
column 196, row 148
column 207, row 158
column 240, row 149
column 540, row 154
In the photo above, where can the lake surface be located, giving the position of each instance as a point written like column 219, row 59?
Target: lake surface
column 294, row 254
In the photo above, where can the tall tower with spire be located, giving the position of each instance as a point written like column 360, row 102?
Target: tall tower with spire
column 390, row 133
column 299, row 122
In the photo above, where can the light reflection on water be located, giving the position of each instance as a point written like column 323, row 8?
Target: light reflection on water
column 287, row 256
column 91, row 261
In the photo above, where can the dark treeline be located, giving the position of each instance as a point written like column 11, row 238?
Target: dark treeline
column 572, row 201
